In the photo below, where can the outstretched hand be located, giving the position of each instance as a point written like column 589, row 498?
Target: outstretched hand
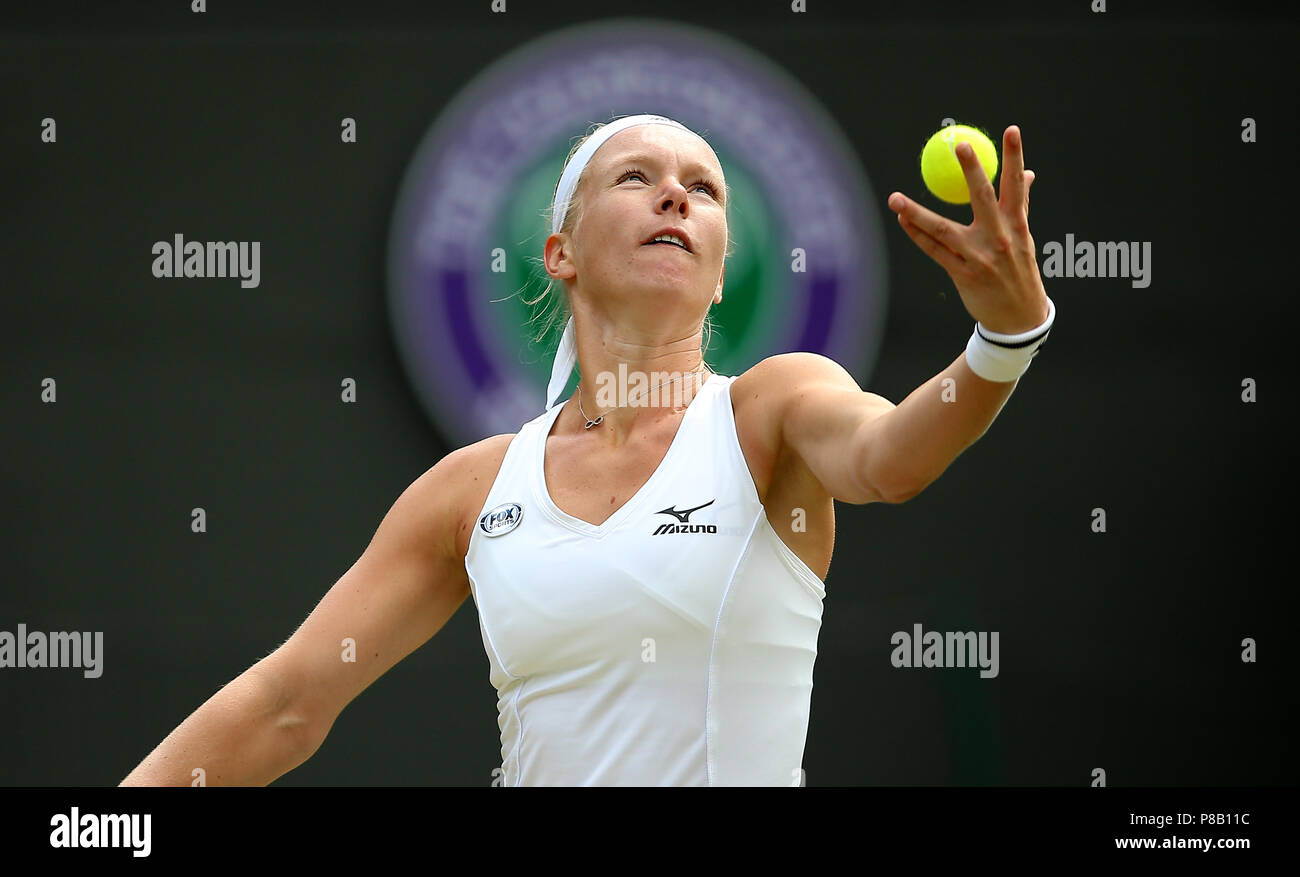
column 992, row 261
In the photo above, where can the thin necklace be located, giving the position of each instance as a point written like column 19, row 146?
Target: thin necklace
column 590, row 423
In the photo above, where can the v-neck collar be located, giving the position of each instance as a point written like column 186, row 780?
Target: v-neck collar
column 587, row 528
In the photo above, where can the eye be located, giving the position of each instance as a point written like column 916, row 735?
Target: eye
column 635, row 172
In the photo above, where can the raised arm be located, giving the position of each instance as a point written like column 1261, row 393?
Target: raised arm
column 398, row 594
column 860, row 446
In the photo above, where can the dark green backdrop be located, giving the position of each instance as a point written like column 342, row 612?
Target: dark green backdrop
column 1118, row 650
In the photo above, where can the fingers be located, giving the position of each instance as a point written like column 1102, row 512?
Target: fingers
column 1029, row 181
column 945, row 232
column 983, row 200
column 1012, row 183
column 952, row 262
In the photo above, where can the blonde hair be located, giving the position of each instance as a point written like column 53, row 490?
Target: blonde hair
column 554, row 298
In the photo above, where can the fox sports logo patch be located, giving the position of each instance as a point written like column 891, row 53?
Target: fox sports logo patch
column 501, row 519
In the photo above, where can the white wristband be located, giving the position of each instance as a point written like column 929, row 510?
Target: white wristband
column 995, row 356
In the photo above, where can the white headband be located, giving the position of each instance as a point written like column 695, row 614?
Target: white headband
column 567, row 354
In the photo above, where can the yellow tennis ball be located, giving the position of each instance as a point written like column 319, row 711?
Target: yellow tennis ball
column 942, row 171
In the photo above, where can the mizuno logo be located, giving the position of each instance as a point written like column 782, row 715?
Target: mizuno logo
column 684, row 516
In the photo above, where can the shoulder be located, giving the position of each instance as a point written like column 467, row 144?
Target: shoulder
column 766, row 392
column 429, row 523
column 785, row 373
column 474, row 469
column 444, row 501
column 480, row 458
column 456, row 474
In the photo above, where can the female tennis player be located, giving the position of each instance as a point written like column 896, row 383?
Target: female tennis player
column 648, row 575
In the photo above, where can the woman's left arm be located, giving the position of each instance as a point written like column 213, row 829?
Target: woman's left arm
column 992, row 263
column 862, row 447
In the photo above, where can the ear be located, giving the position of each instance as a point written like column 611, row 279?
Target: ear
column 717, row 293
column 556, row 257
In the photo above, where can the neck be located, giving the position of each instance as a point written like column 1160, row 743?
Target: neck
column 625, row 406
column 634, row 380
column 624, row 400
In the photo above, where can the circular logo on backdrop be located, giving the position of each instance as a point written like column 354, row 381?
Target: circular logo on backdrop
column 808, row 267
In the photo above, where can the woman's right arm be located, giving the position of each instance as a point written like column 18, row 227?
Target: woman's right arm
column 399, row 593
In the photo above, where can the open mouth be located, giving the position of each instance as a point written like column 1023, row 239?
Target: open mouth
column 670, row 238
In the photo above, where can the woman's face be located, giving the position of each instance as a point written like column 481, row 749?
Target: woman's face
column 641, row 181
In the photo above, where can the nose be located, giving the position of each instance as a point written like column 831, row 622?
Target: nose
column 675, row 197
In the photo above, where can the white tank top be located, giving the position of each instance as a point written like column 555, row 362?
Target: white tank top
column 673, row 645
